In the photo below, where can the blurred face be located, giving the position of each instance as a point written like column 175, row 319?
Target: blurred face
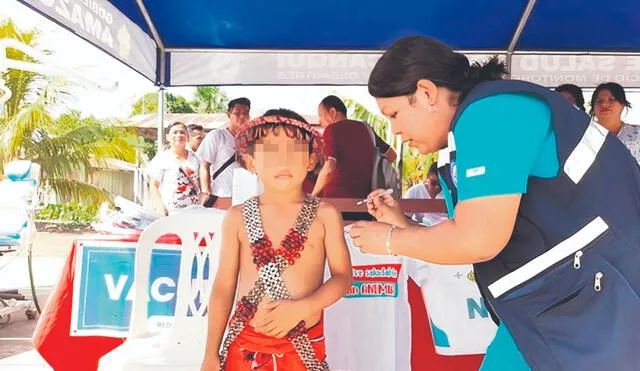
column 239, row 115
column 433, row 184
column 281, row 163
column 606, row 107
column 568, row 97
column 423, row 121
column 195, row 138
column 326, row 116
column 177, row 136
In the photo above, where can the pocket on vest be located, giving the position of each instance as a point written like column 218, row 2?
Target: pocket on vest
column 543, row 270
column 595, row 326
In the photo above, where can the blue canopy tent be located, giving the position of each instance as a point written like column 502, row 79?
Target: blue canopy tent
column 284, row 42
column 202, row 42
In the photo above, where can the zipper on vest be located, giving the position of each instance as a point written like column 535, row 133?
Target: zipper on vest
column 577, row 264
column 596, row 284
column 576, row 259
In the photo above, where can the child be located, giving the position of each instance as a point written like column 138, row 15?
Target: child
column 277, row 323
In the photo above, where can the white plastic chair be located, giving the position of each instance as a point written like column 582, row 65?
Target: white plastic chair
column 182, row 346
column 18, row 201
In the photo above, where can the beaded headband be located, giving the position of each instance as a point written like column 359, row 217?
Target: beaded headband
column 242, row 139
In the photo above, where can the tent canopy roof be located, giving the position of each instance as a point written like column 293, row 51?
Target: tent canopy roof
column 568, row 25
column 285, row 42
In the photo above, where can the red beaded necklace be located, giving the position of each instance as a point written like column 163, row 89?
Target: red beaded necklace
column 290, row 248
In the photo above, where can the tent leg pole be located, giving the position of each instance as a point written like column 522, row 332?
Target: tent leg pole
column 161, row 111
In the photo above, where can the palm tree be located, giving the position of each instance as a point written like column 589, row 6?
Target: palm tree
column 18, row 81
column 210, row 99
column 414, row 166
column 67, row 147
column 148, row 103
column 379, row 123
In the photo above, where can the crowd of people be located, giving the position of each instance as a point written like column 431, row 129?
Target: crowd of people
column 542, row 201
column 198, row 168
column 210, row 159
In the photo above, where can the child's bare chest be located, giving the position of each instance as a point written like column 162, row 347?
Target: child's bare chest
column 301, row 278
column 312, row 250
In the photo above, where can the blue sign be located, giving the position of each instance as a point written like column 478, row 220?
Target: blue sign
column 104, row 287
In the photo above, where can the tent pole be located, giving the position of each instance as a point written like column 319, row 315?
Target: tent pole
column 508, row 59
column 156, row 38
column 160, row 79
column 161, row 110
column 517, row 33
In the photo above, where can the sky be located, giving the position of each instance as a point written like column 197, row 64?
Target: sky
column 73, row 52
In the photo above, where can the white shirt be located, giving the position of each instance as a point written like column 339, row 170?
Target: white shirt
column 370, row 328
column 419, row 191
column 460, row 322
column 216, row 148
column 178, row 189
column 629, row 135
column 245, row 186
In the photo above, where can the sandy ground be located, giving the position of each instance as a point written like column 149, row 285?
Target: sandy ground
column 50, row 251
column 55, row 244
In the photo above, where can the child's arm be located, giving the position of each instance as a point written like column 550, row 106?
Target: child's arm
column 285, row 314
column 338, row 259
column 224, row 287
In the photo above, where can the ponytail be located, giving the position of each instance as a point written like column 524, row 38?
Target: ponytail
column 490, row 70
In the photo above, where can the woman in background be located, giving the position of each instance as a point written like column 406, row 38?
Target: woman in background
column 174, row 173
column 607, row 104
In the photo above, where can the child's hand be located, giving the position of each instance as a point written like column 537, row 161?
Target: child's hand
column 281, row 317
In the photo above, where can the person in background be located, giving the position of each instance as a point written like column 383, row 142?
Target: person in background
column 430, row 189
column 607, row 104
column 174, row 173
column 573, row 94
column 349, row 148
column 196, row 134
column 217, row 154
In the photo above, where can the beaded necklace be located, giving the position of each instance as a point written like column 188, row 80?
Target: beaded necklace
column 271, row 263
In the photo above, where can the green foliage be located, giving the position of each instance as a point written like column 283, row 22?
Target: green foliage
column 414, row 165
column 149, row 148
column 146, row 104
column 178, row 104
column 379, row 123
column 71, row 212
column 64, row 147
column 20, row 82
column 210, row 99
